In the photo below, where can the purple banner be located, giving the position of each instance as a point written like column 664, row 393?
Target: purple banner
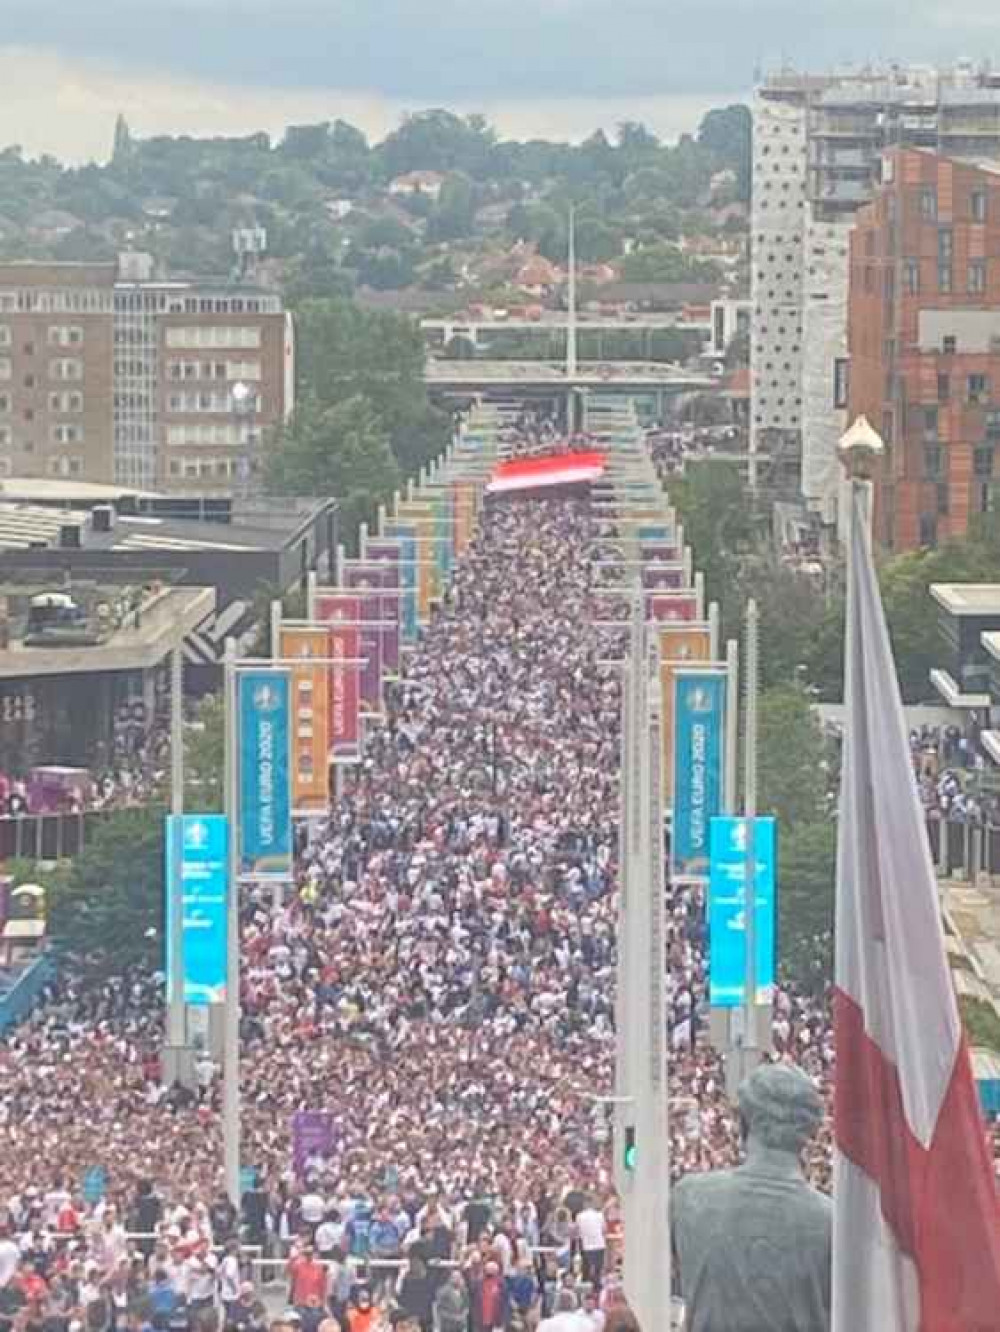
column 375, row 572
column 312, row 1135
column 660, row 576
column 366, row 582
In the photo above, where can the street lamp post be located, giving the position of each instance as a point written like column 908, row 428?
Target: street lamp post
column 244, row 398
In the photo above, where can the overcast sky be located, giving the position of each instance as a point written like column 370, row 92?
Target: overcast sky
column 551, row 67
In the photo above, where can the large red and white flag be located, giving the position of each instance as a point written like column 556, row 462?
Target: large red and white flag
column 916, row 1243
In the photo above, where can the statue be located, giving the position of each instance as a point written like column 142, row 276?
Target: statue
column 753, row 1244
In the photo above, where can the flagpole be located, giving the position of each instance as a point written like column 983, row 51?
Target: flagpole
column 231, row 1059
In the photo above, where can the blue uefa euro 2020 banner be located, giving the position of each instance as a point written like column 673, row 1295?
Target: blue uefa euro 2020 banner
column 265, row 816
column 727, row 915
column 699, row 747
column 204, row 874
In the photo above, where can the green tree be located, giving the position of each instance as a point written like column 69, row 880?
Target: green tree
column 204, row 757
column 455, row 213
column 712, row 504
column 109, row 912
column 726, row 132
column 340, row 450
column 982, row 1024
column 667, row 263
column 793, row 758
column 807, row 856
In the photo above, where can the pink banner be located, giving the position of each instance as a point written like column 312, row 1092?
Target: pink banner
column 343, row 612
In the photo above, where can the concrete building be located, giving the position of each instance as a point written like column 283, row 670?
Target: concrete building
column 202, row 371
column 818, row 145
column 924, row 342
column 56, row 370
column 109, row 374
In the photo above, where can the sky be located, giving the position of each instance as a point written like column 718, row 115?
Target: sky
column 552, row 68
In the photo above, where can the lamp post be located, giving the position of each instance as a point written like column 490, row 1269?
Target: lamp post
column 244, row 398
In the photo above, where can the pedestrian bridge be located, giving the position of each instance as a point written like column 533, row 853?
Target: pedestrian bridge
column 477, row 376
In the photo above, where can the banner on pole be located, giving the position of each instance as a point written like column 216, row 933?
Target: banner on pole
column 664, row 607
column 310, row 715
column 699, row 756
column 401, row 552
column 265, row 797
column 728, row 853
column 679, row 643
column 367, row 584
column 204, row 875
column 341, row 613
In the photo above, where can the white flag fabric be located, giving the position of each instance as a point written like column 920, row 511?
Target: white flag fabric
column 916, row 1242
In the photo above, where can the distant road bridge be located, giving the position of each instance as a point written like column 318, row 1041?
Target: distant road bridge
column 654, row 381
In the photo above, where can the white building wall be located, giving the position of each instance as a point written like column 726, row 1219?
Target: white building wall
column 824, row 339
column 777, row 223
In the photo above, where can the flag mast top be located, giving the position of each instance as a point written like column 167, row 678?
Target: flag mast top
column 859, row 449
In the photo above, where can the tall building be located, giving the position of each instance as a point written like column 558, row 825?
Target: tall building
column 924, row 342
column 110, row 374
column 56, row 370
column 818, row 146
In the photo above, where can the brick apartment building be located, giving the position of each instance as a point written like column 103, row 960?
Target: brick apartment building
column 56, row 370
column 109, row 374
column 924, row 343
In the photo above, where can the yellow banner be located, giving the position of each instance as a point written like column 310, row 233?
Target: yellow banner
column 310, row 716
column 679, row 645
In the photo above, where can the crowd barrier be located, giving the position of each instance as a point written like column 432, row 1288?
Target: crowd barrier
column 47, row 836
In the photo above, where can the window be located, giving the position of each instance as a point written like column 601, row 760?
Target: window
column 992, row 423
column 5, row 337
column 4, row 403
column 928, row 204
column 5, row 367
column 869, row 278
column 946, row 245
column 943, row 388
column 932, row 462
column 66, row 434
column 977, row 276
column 911, row 276
column 208, row 335
column 982, row 461
column 66, row 368
column 979, row 388
column 977, row 205
column 928, row 529
column 6, row 436
column 841, row 381
column 944, row 277
column 942, row 498
column 949, row 344
column 930, row 423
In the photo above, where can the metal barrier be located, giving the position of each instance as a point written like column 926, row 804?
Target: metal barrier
column 47, row 836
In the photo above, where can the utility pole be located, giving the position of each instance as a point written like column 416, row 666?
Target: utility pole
column 641, row 1074
column 176, row 1061
column 231, row 1041
column 571, row 357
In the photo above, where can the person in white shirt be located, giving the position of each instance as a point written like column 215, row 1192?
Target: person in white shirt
column 590, row 1228
column 10, row 1257
column 313, row 1206
column 198, row 1275
column 567, row 1317
column 229, row 1275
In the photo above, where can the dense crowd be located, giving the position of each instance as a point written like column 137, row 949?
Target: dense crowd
column 441, row 981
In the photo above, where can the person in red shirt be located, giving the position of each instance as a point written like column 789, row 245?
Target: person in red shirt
column 308, row 1279
column 32, row 1286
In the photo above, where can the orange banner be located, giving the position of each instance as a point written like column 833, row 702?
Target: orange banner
column 679, row 644
column 310, row 716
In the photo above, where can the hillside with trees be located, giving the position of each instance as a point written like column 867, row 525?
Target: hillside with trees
column 432, row 207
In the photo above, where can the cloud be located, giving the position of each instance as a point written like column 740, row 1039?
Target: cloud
column 54, row 104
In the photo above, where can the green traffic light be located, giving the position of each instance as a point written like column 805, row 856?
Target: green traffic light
column 631, row 1151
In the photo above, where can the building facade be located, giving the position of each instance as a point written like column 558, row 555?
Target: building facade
column 56, row 370
column 818, row 147
column 924, row 342
column 109, row 374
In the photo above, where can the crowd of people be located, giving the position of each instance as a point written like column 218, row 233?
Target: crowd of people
column 441, row 981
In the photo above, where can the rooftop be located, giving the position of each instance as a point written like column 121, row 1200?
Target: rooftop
column 967, row 598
